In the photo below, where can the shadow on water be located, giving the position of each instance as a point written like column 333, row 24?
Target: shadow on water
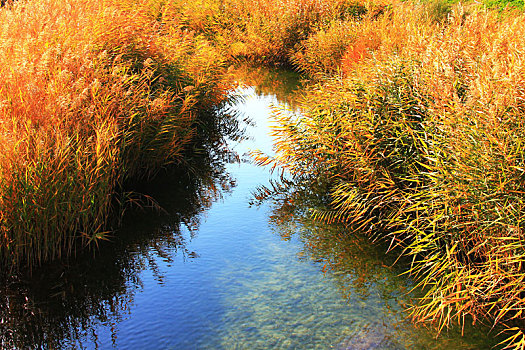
column 62, row 304
column 375, row 287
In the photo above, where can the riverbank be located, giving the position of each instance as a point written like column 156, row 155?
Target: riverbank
column 416, row 132
column 93, row 94
column 414, row 127
column 212, row 272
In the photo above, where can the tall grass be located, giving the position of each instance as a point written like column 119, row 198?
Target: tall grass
column 92, row 93
column 420, row 143
column 263, row 31
column 413, row 133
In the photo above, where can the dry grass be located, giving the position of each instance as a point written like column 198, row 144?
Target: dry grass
column 416, row 129
column 264, row 31
column 421, row 140
column 92, row 93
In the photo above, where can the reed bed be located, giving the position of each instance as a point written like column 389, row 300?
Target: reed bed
column 416, row 130
column 92, row 94
column 262, row 31
column 413, row 132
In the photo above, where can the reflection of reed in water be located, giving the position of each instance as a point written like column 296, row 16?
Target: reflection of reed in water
column 61, row 304
column 284, row 85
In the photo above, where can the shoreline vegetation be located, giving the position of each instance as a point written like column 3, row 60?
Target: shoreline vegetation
column 412, row 125
column 93, row 94
column 414, row 131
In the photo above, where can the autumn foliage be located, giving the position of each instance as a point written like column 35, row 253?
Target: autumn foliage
column 413, row 125
column 416, row 127
column 92, row 94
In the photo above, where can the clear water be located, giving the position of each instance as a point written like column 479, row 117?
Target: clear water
column 212, row 272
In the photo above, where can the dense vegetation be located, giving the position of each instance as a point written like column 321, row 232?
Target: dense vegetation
column 92, row 94
column 415, row 130
column 414, row 127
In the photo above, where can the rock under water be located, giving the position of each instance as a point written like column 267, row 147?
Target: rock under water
column 370, row 337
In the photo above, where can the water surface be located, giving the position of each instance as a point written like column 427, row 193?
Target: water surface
column 212, row 272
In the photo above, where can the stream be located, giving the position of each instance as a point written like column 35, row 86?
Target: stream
column 210, row 271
